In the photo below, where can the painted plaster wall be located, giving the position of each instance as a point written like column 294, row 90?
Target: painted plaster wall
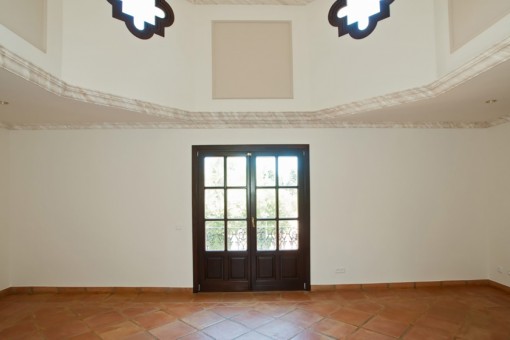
column 449, row 59
column 27, row 18
column 87, row 48
column 398, row 55
column 50, row 58
column 113, row 207
column 177, row 71
column 499, row 204
column 202, row 64
column 4, row 210
column 99, row 53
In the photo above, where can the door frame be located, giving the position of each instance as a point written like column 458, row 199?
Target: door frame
column 304, row 212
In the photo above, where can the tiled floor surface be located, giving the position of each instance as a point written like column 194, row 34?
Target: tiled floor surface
column 427, row 313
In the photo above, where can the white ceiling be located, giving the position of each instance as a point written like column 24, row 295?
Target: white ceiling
column 455, row 101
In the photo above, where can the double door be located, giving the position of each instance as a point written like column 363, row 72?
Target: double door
column 251, row 224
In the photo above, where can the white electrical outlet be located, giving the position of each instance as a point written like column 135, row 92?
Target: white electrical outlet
column 340, row 270
column 500, row 269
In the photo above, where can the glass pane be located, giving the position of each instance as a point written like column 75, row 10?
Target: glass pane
column 214, row 203
column 266, row 235
column 288, row 203
column 288, row 171
column 214, row 236
column 237, row 235
column 266, row 203
column 213, row 172
column 266, row 171
column 289, row 235
column 236, row 171
column 236, row 203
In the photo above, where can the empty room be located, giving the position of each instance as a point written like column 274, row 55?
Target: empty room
column 255, row 169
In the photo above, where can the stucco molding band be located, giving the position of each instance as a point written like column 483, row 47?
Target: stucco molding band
column 333, row 117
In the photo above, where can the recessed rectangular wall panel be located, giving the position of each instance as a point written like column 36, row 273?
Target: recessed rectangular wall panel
column 252, row 60
column 26, row 18
column 469, row 18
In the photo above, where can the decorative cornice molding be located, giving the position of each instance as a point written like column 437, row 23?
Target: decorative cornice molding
column 260, row 125
column 333, row 117
column 499, row 121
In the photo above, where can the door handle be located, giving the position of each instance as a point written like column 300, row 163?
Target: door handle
column 253, row 222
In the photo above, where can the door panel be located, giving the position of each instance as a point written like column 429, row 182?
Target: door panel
column 265, row 267
column 251, row 218
column 238, row 268
column 214, row 268
column 289, row 265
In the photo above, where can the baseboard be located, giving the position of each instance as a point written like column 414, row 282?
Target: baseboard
column 407, row 285
column 5, row 292
column 314, row 288
column 499, row 286
column 94, row 290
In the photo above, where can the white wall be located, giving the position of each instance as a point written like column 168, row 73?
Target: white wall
column 50, row 59
column 100, row 53
column 328, row 70
column 104, row 208
column 397, row 205
column 448, row 60
column 499, row 204
column 202, row 17
column 175, row 71
column 27, row 18
column 398, row 55
column 409, row 49
column 468, row 18
column 4, row 210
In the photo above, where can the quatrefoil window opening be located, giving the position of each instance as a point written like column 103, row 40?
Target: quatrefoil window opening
column 144, row 18
column 358, row 18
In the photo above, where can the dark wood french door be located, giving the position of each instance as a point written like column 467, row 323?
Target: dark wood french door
column 251, row 218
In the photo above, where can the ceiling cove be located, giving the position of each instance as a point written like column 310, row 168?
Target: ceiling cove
column 332, row 117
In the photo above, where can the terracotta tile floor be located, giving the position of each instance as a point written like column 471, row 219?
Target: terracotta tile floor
column 472, row 312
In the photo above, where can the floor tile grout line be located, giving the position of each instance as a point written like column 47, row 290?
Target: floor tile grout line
column 428, row 301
